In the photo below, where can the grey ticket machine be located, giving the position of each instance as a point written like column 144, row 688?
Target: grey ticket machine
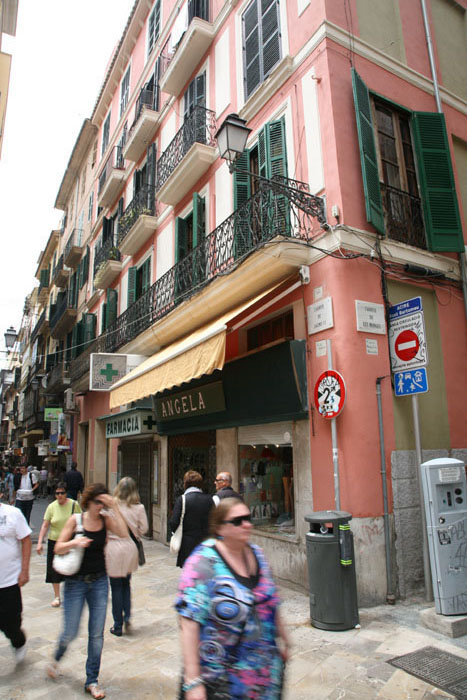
column 445, row 496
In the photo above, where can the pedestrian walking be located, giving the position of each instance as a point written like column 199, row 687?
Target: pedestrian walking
column 223, row 484
column 43, row 476
column 229, row 615
column 121, row 553
column 196, row 518
column 15, row 554
column 55, row 518
column 90, row 584
column 25, row 484
column 10, row 486
column 74, row 482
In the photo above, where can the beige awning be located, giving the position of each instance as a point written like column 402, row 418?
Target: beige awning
column 202, row 352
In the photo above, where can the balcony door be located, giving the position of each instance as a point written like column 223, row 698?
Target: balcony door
column 194, row 102
column 190, row 254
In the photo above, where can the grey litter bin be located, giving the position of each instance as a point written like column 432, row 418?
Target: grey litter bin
column 331, row 571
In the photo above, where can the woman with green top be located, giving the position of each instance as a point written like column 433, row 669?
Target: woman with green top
column 55, row 517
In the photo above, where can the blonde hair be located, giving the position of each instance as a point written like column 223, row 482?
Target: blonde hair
column 127, row 492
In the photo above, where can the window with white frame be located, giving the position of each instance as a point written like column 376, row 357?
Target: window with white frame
column 125, row 91
column 261, row 42
column 154, row 26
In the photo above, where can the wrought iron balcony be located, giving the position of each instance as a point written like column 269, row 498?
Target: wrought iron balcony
column 58, row 377
column 74, row 248
column 107, row 264
column 138, row 221
column 41, row 325
column 403, row 217
column 112, row 177
column 281, row 209
column 145, row 125
column 188, row 156
column 60, row 274
column 62, row 316
column 178, row 64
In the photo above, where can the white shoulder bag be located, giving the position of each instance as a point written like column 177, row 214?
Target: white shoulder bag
column 176, row 539
column 69, row 563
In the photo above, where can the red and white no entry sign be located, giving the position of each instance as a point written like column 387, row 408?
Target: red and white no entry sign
column 406, row 345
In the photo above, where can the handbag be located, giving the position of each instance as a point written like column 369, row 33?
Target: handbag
column 139, row 547
column 176, row 539
column 69, row 563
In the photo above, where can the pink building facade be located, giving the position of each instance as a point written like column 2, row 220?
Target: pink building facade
column 211, row 302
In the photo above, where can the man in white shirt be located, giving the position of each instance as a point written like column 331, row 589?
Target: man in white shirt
column 15, row 553
column 25, row 486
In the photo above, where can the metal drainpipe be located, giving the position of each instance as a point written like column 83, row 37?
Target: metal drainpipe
column 439, row 106
column 390, row 597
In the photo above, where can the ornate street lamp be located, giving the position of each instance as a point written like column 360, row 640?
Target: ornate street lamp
column 231, row 139
column 10, row 338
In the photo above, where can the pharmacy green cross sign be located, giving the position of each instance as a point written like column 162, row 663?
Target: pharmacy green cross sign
column 108, row 372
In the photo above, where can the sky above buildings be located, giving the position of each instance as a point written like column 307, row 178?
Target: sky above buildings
column 60, row 54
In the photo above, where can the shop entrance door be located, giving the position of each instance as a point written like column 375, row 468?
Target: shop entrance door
column 136, row 462
column 194, row 451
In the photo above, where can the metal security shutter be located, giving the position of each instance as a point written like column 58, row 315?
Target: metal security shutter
column 438, row 191
column 137, row 463
column 366, row 140
column 267, row 434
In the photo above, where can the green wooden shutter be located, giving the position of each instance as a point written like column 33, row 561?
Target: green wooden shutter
column 199, row 234
column 145, row 272
column 270, row 35
column 90, row 323
column 111, row 307
column 251, row 48
column 44, row 278
column 440, row 207
column 131, row 296
column 86, row 266
column 276, row 148
column 181, row 239
column 366, row 140
column 80, row 337
column 79, row 274
column 242, row 183
column 103, row 317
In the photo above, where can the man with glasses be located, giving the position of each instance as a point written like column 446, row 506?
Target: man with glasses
column 223, row 484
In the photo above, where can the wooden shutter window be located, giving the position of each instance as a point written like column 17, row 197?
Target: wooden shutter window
column 131, row 295
column 145, row 273
column 440, row 206
column 111, row 307
column 103, row 317
column 368, row 157
column 270, row 37
column 251, row 48
column 90, row 324
column 181, row 239
column 261, row 42
column 242, row 183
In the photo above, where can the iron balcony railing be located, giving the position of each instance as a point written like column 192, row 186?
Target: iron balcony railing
column 403, row 217
column 51, row 360
column 144, row 202
column 198, row 127
column 278, row 208
column 38, row 326
column 74, row 241
column 57, row 310
column 196, row 8
column 115, row 161
column 107, row 251
column 58, row 267
column 147, row 98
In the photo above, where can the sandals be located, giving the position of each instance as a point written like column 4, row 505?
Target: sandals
column 56, row 602
column 94, row 691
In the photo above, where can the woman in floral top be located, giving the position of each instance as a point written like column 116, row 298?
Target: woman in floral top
column 229, row 615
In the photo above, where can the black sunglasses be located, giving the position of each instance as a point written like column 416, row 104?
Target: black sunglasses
column 236, row 522
column 60, row 493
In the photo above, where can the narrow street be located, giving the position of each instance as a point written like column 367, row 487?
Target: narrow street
column 325, row 665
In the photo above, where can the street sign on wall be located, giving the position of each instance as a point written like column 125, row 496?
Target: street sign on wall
column 411, row 381
column 329, row 393
column 407, row 341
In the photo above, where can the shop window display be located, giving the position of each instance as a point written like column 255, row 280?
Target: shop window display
column 266, row 485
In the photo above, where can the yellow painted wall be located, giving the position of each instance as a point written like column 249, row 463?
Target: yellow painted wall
column 434, row 424
column 380, row 25
column 450, row 34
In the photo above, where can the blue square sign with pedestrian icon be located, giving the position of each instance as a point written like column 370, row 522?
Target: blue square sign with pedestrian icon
column 412, row 381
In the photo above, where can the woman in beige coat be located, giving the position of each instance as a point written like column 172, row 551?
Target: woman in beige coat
column 121, row 553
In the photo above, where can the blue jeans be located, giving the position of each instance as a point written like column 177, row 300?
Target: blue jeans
column 75, row 594
column 121, row 600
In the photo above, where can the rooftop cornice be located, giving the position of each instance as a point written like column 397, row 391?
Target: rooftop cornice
column 85, row 137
